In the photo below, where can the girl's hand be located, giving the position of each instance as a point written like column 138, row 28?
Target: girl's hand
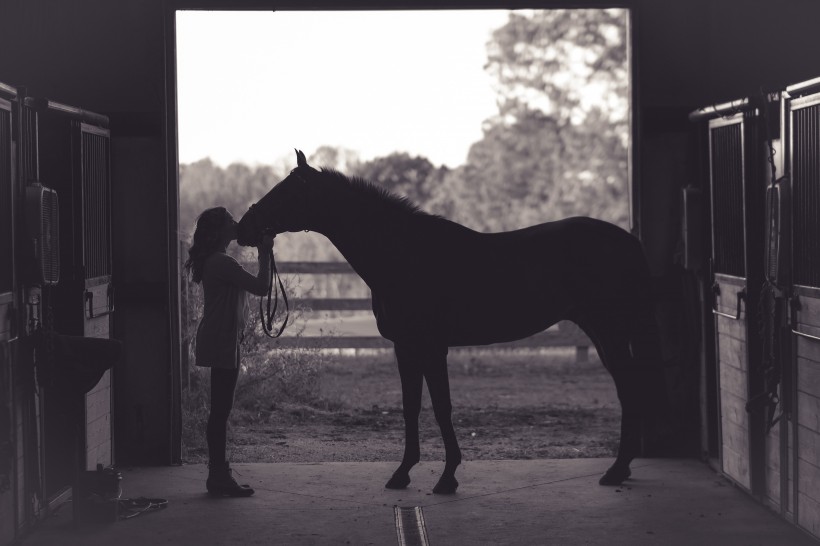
column 266, row 245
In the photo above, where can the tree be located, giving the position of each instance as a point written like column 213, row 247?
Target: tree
column 400, row 173
column 204, row 185
column 558, row 146
column 565, row 62
column 336, row 158
column 507, row 180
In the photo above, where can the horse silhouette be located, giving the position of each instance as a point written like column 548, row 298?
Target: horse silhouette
column 436, row 284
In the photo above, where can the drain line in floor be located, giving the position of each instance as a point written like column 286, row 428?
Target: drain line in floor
column 410, row 527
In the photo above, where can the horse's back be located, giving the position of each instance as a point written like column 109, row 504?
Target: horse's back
column 509, row 285
column 579, row 247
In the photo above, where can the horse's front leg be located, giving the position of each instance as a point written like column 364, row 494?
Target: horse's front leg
column 411, row 385
column 435, row 371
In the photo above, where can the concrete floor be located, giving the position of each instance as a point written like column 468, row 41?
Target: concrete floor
column 538, row 502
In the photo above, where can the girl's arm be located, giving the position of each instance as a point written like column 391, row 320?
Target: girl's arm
column 231, row 271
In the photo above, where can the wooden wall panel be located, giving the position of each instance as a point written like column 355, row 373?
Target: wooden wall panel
column 732, row 408
column 736, row 466
column 732, row 352
column 808, row 349
column 808, row 513
column 734, row 424
column 733, row 374
column 773, row 488
column 7, row 515
column 808, row 376
column 97, row 327
column 809, row 444
column 735, row 329
column 98, row 433
column 791, row 457
column 98, row 436
column 807, row 412
column 808, row 415
column 736, row 438
column 733, row 380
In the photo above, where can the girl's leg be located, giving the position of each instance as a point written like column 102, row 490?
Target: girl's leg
column 223, row 384
column 220, row 479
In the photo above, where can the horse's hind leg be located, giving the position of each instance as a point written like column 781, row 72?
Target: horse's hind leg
column 438, row 384
column 629, row 446
column 411, row 385
column 612, row 345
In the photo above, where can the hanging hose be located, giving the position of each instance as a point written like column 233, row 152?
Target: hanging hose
column 769, row 312
column 769, row 308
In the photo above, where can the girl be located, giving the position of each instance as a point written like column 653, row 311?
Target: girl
column 220, row 331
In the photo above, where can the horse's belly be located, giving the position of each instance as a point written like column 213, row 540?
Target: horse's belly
column 474, row 325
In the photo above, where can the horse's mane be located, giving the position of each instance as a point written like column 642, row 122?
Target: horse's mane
column 372, row 195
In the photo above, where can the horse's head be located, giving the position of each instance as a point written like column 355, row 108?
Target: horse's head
column 286, row 207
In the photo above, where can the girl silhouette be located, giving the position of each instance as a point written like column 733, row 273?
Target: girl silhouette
column 225, row 284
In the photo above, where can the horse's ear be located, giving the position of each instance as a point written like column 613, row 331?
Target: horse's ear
column 300, row 159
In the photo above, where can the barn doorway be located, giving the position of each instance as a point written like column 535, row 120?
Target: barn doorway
column 496, row 119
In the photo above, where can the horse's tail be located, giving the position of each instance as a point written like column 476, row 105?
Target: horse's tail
column 645, row 341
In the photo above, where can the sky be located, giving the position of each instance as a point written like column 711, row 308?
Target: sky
column 252, row 86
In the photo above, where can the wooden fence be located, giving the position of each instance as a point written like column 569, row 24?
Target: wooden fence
column 567, row 334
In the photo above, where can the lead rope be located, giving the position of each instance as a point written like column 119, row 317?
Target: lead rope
column 273, row 294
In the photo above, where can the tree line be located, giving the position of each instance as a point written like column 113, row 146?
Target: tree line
column 557, row 147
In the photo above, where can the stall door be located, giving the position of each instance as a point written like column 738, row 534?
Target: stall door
column 736, row 193
column 74, row 159
column 94, row 177
column 7, row 308
column 8, row 316
column 803, row 116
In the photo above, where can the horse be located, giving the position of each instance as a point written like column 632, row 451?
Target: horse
column 436, row 284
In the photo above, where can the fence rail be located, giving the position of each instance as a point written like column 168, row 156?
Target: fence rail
column 567, row 334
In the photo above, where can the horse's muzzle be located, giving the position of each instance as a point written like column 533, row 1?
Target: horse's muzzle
column 246, row 237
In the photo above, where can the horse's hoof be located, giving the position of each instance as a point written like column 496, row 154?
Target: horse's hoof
column 615, row 476
column 446, row 486
column 398, row 481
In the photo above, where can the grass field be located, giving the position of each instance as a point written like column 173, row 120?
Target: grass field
column 506, row 406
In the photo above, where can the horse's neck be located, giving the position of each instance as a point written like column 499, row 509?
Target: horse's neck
column 362, row 242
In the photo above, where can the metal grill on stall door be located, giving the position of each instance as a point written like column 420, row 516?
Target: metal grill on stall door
column 806, row 190
column 96, row 202
column 727, row 172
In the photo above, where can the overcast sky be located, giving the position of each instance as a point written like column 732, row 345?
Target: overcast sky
column 254, row 85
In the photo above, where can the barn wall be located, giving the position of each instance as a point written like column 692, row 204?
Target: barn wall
column 690, row 55
column 108, row 57
column 784, row 458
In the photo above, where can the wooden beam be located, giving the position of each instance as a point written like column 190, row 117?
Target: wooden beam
column 544, row 339
column 332, row 304
column 315, row 268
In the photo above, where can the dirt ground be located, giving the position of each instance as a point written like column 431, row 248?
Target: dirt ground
column 505, row 406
